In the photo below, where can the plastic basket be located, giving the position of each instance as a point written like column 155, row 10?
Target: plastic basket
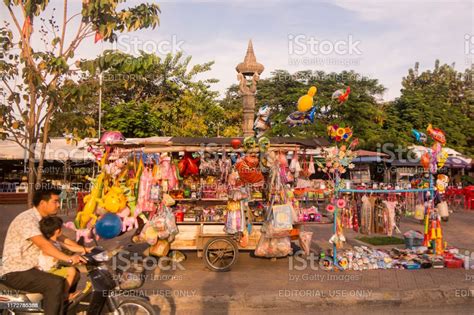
column 411, row 242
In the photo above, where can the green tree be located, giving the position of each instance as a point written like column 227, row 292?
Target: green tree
column 443, row 97
column 164, row 89
column 33, row 75
column 282, row 90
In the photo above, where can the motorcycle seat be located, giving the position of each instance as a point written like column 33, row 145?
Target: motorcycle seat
column 16, row 294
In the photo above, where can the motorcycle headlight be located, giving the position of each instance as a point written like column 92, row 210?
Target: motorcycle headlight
column 101, row 257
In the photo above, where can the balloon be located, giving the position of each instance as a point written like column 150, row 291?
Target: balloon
column 339, row 133
column 341, row 96
column 442, row 157
column 188, row 165
column 300, row 118
column 111, row 136
column 262, row 122
column 425, row 160
column 436, row 134
column 419, row 136
column 109, row 226
column 305, row 102
column 235, row 143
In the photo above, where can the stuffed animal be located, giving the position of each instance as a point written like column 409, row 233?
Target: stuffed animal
column 115, row 200
column 129, row 222
column 114, row 169
column 85, row 233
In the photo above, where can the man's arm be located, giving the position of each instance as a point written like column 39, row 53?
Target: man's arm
column 48, row 249
column 74, row 246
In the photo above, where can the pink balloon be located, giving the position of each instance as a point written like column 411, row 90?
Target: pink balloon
column 110, row 136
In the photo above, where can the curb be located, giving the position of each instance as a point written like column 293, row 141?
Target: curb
column 288, row 299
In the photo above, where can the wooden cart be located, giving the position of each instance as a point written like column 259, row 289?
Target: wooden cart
column 218, row 249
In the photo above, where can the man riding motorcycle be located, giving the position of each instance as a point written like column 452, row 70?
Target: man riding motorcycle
column 23, row 244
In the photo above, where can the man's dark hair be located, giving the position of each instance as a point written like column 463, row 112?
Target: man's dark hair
column 44, row 194
column 48, row 225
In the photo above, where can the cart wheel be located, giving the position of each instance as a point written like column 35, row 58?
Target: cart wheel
column 220, row 254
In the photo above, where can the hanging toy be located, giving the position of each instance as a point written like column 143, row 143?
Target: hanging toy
column 300, row 118
column 341, row 96
column 437, row 134
column 419, row 136
column 262, row 122
column 305, row 102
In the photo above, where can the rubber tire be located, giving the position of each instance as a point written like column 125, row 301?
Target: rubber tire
column 152, row 309
column 209, row 265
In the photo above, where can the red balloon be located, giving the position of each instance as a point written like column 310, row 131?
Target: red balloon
column 235, row 143
column 425, row 160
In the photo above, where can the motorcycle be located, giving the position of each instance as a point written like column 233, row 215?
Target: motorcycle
column 101, row 295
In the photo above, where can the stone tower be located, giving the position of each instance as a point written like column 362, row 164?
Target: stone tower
column 248, row 74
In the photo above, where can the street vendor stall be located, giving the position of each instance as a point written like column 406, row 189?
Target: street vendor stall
column 213, row 195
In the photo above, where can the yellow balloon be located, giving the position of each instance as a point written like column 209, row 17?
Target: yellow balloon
column 305, row 102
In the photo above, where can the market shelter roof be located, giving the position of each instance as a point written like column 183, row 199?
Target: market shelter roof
column 57, row 150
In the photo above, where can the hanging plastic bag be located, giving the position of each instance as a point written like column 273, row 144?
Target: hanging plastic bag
column 305, row 241
column 419, row 212
column 273, row 247
column 283, row 216
column 443, row 209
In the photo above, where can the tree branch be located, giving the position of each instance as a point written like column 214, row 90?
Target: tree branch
column 63, row 33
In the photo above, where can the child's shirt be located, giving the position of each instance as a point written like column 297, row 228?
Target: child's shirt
column 46, row 262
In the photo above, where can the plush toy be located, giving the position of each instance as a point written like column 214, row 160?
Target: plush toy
column 114, row 169
column 91, row 200
column 129, row 222
column 85, row 233
column 115, row 200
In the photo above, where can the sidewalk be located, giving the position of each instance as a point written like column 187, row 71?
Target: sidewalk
column 261, row 284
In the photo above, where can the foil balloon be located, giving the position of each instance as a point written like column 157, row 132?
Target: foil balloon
column 425, row 160
column 419, row 136
column 111, row 136
column 301, row 118
column 262, row 122
column 305, row 102
column 436, row 134
column 442, row 158
column 341, row 96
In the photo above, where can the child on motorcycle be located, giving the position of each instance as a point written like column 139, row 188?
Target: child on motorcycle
column 51, row 228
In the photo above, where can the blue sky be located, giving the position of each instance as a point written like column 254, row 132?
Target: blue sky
column 391, row 35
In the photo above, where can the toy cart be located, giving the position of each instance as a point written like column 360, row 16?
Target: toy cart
column 218, row 249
